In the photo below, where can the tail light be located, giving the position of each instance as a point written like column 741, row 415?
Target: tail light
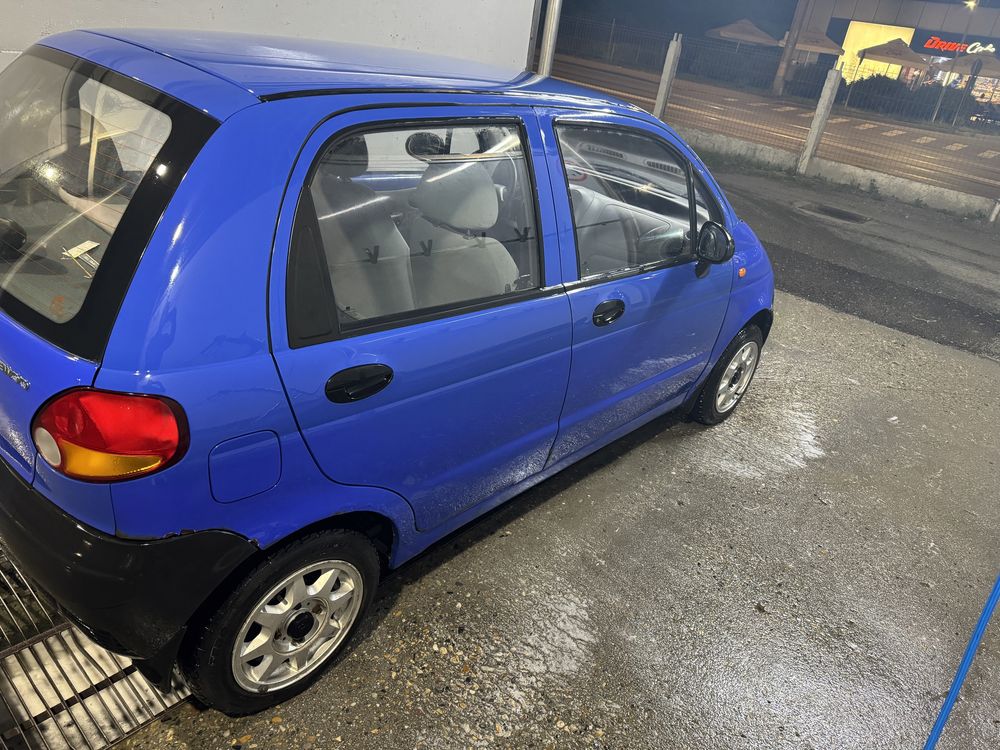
column 100, row 436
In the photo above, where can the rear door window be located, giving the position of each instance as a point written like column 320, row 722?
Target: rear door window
column 417, row 219
column 77, row 143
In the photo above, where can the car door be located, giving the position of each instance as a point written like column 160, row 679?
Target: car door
column 418, row 320
column 646, row 313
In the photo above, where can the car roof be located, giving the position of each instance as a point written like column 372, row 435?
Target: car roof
column 273, row 67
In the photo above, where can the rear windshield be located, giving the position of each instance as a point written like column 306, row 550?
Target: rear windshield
column 78, row 143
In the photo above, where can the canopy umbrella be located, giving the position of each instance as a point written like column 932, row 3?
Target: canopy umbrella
column 743, row 31
column 965, row 65
column 815, row 41
column 896, row 52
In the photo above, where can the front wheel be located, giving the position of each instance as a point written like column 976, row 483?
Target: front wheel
column 288, row 618
column 730, row 378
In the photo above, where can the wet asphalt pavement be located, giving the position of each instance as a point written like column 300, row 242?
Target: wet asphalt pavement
column 805, row 575
column 917, row 270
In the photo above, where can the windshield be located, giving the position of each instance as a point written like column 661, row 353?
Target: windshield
column 77, row 143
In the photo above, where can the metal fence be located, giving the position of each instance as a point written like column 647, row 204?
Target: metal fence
column 613, row 43
column 883, row 123
column 888, row 125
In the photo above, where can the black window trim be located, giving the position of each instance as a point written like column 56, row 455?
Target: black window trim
column 86, row 334
column 624, row 273
column 428, row 314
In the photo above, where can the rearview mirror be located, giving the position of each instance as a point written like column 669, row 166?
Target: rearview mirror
column 715, row 243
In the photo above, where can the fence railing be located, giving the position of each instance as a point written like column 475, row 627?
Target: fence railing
column 884, row 123
column 613, row 43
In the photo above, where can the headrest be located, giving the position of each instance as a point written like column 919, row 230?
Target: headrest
column 424, row 145
column 348, row 157
column 458, row 194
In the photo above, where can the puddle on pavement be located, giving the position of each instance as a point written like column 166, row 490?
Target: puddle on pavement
column 762, row 441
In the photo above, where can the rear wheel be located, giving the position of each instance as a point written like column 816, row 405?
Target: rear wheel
column 730, row 378
column 283, row 624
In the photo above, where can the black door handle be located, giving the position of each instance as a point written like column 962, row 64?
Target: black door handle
column 608, row 312
column 356, row 383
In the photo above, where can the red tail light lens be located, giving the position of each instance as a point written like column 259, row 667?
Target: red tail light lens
column 100, row 436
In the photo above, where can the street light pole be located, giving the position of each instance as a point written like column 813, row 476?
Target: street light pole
column 971, row 5
column 791, row 42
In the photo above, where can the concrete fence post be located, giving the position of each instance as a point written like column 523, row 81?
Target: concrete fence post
column 823, row 109
column 670, row 63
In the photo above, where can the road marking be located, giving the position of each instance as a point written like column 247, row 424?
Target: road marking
column 956, row 147
column 784, row 109
column 837, row 120
column 759, row 104
column 925, row 139
column 808, row 114
column 730, row 99
column 893, row 133
column 867, row 126
column 989, row 154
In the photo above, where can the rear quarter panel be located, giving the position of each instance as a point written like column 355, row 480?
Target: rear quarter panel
column 194, row 326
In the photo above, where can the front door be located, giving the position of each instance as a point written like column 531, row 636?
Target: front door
column 646, row 314
column 422, row 337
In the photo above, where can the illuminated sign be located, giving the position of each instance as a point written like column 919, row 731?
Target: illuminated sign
column 939, row 44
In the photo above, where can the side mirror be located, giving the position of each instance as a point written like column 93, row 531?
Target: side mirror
column 715, row 243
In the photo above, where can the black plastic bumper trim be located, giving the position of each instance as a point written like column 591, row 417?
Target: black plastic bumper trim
column 130, row 596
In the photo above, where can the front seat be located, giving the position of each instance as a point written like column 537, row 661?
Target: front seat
column 601, row 231
column 368, row 259
column 453, row 259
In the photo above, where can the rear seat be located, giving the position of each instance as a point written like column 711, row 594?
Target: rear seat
column 453, row 259
column 366, row 254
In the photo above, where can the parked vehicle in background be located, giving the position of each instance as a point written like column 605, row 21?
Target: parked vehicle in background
column 273, row 324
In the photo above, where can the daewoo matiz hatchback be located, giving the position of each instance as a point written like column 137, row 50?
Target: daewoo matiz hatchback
column 276, row 315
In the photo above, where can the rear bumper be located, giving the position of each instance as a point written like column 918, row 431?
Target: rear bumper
column 134, row 597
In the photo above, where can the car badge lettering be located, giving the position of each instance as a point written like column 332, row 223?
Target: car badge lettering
column 14, row 375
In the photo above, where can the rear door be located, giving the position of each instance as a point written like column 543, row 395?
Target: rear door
column 646, row 314
column 418, row 320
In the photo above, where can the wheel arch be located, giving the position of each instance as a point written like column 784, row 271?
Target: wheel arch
column 379, row 528
column 763, row 319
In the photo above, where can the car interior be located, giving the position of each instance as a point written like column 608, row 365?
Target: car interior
column 65, row 185
column 420, row 223
column 629, row 198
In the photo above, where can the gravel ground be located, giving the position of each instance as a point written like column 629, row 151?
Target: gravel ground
column 805, row 576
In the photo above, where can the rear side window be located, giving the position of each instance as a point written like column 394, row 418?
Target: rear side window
column 78, row 145
column 631, row 199
column 395, row 222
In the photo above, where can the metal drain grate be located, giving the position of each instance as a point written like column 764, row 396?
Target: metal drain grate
column 58, row 690
column 832, row 212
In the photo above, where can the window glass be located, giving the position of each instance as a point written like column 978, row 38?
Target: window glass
column 408, row 219
column 630, row 201
column 73, row 150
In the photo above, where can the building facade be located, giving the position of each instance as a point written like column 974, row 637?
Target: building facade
column 936, row 30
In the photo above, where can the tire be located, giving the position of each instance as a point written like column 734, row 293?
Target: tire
column 713, row 406
column 306, row 595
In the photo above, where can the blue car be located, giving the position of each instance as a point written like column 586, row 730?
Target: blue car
column 276, row 315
